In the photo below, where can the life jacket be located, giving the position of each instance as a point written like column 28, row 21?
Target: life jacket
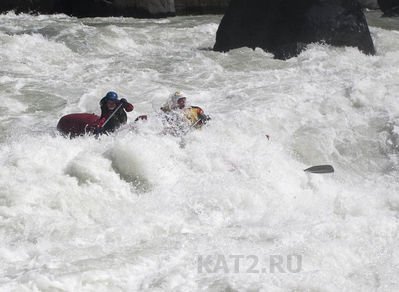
column 117, row 119
column 192, row 113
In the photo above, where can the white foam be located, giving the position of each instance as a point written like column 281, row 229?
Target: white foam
column 134, row 210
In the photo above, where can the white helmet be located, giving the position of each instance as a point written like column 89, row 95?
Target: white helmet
column 173, row 98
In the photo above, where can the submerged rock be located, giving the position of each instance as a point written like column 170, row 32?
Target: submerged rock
column 389, row 7
column 285, row 27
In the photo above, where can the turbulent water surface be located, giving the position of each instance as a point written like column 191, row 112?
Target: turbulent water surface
column 137, row 211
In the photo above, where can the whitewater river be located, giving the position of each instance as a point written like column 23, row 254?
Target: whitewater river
column 230, row 211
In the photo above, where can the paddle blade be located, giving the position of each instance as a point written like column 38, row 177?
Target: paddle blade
column 320, row 169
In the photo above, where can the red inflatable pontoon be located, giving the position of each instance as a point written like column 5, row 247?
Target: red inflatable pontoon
column 77, row 124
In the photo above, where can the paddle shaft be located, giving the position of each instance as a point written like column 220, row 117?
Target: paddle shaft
column 107, row 120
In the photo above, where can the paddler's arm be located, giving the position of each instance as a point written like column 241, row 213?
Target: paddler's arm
column 126, row 105
column 202, row 118
column 141, row 118
column 98, row 128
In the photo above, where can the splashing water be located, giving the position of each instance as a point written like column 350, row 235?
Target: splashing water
column 135, row 211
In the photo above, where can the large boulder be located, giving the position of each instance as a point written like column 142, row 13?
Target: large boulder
column 389, row 7
column 285, row 27
column 93, row 8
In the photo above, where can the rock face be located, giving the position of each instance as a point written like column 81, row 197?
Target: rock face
column 92, row 8
column 185, row 7
column 44, row 6
column 134, row 8
column 389, row 7
column 370, row 4
column 285, row 27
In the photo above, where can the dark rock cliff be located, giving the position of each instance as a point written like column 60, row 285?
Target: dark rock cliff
column 92, row 8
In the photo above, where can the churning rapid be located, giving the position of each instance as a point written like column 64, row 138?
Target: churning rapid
column 137, row 211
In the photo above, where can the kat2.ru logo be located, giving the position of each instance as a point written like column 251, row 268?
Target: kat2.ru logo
column 249, row 264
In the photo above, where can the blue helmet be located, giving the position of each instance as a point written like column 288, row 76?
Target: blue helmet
column 111, row 96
